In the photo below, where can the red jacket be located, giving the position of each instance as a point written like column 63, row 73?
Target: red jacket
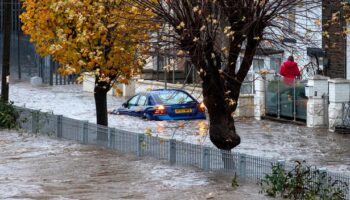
column 289, row 70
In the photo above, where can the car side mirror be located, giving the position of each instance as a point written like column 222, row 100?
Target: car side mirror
column 125, row 105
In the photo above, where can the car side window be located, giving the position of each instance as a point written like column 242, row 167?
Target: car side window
column 142, row 101
column 133, row 101
column 174, row 97
column 151, row 101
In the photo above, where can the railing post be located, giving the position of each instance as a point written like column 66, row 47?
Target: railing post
column 242, row 165
column 294, row 101
column 59, row 126
column 323, row 178
column 282, row 164
column 85, row 132
column 172, row 151
column 206, row 159
column 35, row 122
column 278, row 99
column 259, row 96
column 111, row 138
column 140, row 144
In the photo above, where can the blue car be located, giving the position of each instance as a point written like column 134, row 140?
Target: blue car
column 163, row 104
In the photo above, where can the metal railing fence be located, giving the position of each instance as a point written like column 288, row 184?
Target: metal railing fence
column 176, row 152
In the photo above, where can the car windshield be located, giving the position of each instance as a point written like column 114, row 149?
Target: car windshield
column 173, row 97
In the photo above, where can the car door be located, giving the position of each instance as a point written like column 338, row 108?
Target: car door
column 130, row 105
column 141, row 103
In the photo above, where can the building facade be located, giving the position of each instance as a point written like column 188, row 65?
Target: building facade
column 335, row 41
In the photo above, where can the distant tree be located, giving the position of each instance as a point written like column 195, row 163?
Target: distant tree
column 105, row 37
column 221, row 38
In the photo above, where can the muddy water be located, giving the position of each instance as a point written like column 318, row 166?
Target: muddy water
column 259, row 138
column 291, row 142
column 43, row 168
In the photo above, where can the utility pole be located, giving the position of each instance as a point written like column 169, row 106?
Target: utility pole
column 5, row 79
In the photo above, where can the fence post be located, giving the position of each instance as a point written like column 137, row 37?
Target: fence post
column 282, row 164
column 242, row 165
column 323, row 178
column 206, row 159
column 348, row 188
column 259, row 96
column 278, row 99
column 294, row 101
column 85, row 132
column 140, row 143
column 35, row 121
column 59, row 126
column 111, row 138
column 172, row 151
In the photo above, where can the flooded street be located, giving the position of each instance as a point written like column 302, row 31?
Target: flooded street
column 265, row 138
column 37, row 167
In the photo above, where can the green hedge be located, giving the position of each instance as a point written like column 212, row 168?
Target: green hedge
column 8, row 115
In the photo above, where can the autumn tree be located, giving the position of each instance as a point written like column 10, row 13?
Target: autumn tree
column 106, row 37
column 221, row 38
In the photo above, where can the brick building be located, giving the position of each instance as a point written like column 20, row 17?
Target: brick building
column 335, row 43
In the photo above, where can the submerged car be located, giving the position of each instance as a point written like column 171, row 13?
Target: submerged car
column 163, row 104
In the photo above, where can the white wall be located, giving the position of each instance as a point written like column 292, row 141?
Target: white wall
column 306, row 19
column 308, row 33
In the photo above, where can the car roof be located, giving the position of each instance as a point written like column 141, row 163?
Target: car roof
column 155, row 91
column 166, row 90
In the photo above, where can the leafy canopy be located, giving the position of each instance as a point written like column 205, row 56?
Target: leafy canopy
column 85, row 35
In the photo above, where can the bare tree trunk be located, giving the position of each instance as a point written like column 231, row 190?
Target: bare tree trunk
column 222, row 127
column 6, row 50
column 220, row 107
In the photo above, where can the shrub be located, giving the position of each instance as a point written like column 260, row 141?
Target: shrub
column 302, row 183
column 8, row 115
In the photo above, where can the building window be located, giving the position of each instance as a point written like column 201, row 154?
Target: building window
column 275, row 64
column 258, row 64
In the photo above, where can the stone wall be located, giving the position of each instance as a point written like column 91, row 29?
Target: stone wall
column 325, row 107
column 317, row 93
column 339, row 93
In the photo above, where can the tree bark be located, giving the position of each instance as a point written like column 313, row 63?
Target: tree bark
column 6, row 49
column 222, row 127
column 100, row 94
column 219, row 103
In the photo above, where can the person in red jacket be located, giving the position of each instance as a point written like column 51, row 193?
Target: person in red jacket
column 289, row 70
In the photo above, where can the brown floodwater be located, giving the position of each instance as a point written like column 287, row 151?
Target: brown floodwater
column 37, row 167
column 264, row 138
